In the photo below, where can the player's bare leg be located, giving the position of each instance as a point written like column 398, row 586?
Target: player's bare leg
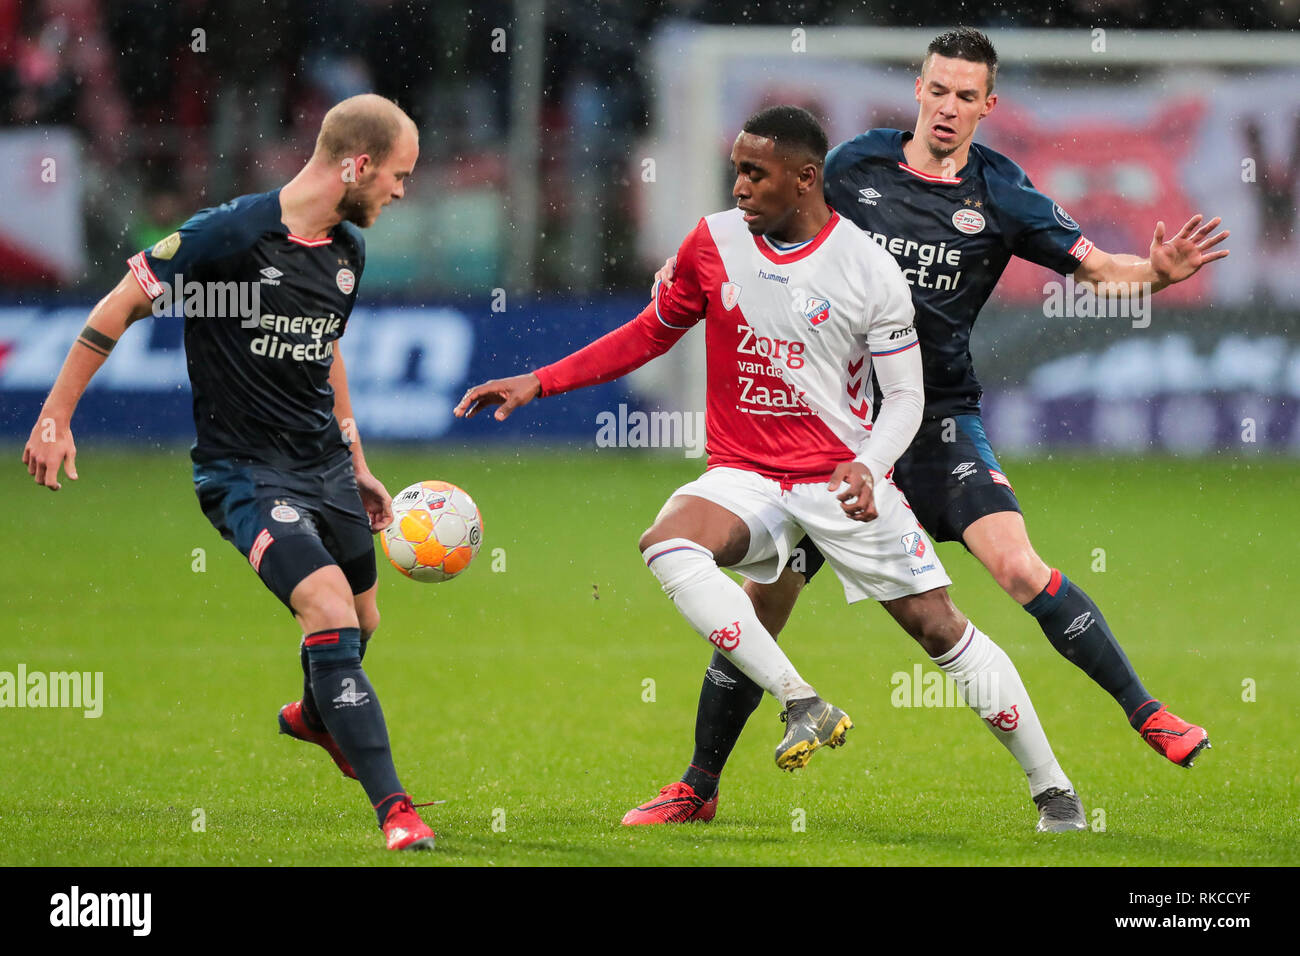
column 691, row 539
column 991, row 685
column 1076, row 628
column 349, row 708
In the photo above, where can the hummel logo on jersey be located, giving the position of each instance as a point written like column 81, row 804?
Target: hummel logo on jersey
column 1079, row 625
column 964, row 470
column 351, row 696
column 868, row 196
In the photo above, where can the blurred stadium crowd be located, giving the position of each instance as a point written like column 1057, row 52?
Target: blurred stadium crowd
column 181, row 104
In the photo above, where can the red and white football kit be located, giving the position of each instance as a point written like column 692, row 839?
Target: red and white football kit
column 793, row 338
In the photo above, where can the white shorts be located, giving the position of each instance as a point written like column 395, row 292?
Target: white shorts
column 887, row 558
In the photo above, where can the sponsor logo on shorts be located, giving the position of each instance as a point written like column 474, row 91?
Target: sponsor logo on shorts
column 914, row 544
column 260, row 544
column 922, row 569
column 1006, row 720
column 964, row 470
column 727, row 638
column 347, row 281
column 284, row 514
column 1079, row 625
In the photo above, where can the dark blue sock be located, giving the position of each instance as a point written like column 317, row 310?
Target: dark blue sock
column 309, row 712
column 1076, row 628
column 351, row 713
column 727, row 699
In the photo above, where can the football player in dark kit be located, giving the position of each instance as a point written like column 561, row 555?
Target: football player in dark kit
column 953, row 213
column 278, row 465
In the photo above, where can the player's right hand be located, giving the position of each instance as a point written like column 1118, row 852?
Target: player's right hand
column 509, row 393
column 665, row 274
column 49, row 447
column 858, row 499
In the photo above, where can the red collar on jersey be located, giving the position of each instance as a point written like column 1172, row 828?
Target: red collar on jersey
column 782, row 258
column 928, row 177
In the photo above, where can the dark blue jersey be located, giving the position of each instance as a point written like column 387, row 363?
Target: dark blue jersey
column 952, row 237
column 263, row 309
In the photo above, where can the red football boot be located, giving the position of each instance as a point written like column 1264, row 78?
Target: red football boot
column 1173, row 737
column 676, row 803
column 292, row 724
column 404, row 830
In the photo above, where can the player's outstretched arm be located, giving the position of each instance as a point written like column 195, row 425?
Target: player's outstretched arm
column 50, row 445
column 509, row 393
column 1168, row 261
column 374, row 496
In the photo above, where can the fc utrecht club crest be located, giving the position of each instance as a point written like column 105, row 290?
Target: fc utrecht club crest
column 346, row 281
column 730, row 295
column 914, row 544
column 817, row 311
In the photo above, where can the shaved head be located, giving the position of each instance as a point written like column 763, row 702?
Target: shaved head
column 368, row 123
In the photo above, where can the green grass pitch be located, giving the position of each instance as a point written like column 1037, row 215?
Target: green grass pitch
column 519, row 693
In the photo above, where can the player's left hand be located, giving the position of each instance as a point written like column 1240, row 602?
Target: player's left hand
column 858, row 499
column 376, row 500
column 1182, row 256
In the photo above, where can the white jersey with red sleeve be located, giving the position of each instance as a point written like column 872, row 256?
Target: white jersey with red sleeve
column 790, row 339
column 790, row 335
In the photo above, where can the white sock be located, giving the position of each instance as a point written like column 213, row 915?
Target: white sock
column 722, row 613
column 990, row 684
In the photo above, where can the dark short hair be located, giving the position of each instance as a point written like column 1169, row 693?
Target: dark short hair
column 965, row 43
column 791, row 128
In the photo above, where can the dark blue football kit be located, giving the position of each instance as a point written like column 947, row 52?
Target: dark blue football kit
column 271, row 467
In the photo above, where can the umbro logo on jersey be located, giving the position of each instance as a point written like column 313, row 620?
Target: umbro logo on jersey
column 964, row 470
column 730, row 295
column 868, row 196
column 271, row 275
column 1079, row 625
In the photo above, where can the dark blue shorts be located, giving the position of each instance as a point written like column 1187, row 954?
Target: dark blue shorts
column 288, row 523
column 951, row 479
